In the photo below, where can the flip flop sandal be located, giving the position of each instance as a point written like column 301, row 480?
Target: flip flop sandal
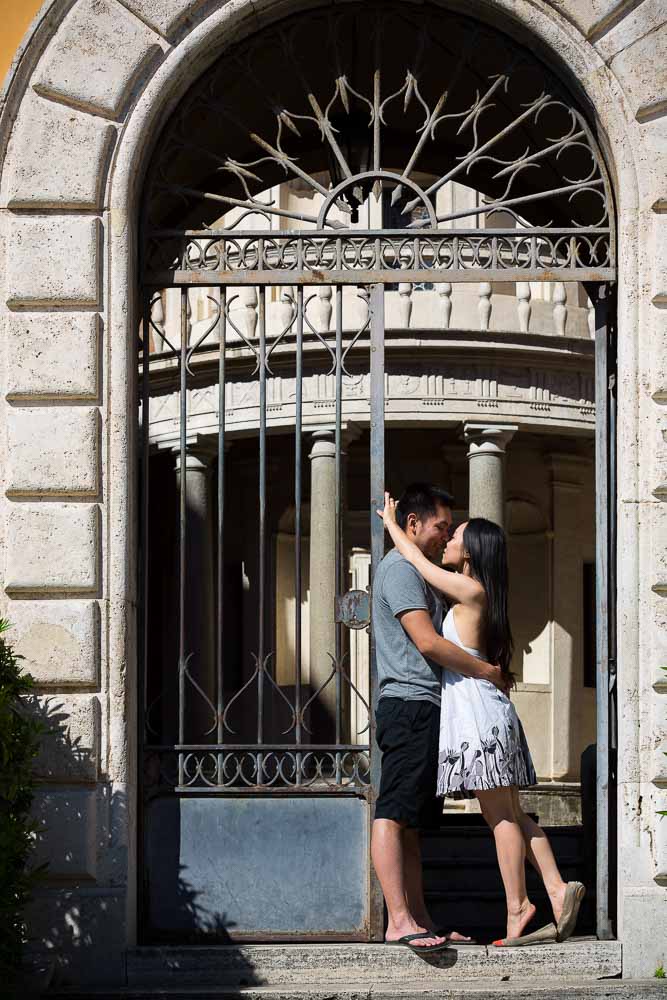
column 545, row 935
column 574, row 894
column 452, row 941
column 425, row 949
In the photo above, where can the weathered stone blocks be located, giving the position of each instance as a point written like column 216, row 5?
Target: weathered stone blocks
column 96, row 57
column 66, row 831
column 70, row 751
column 53, row 356
column 59, row 641
column 53, row 261
column 53, row 450
column 163, row 15
column 52, row 547
column 56, row 157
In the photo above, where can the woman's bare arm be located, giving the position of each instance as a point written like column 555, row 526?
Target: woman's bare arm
column 454, row 586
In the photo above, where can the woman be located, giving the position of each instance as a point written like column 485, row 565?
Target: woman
column 483, row 749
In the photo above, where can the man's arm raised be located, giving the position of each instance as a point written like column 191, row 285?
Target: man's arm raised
column 419, row 627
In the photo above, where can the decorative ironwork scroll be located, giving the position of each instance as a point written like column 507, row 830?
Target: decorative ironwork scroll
column 371, row 114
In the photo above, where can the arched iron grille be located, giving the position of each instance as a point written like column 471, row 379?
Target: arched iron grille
column 370, row 112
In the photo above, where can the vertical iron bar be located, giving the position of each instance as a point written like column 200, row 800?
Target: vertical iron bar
column 143, row 588
column 262, row 528
column 298, row 421
column 222, row 327
column 182, row 552
column 338, row 515
column 377, row 552
column 603, row 925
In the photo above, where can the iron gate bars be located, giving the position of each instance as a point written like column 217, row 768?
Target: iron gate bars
column 206, row 753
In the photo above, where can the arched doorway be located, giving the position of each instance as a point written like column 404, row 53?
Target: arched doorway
column 292, row 202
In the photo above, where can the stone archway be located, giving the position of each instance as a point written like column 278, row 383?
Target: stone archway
column 91, row 84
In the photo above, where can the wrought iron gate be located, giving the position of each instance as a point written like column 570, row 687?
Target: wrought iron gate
column 259, row 774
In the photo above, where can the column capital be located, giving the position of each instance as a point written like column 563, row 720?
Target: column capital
column 200, row 452
column 324, row 444
column 487, row 438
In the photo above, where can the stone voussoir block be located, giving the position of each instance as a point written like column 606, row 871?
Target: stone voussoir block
column 96, row 57
column 58, row 640
column 53, row 261
column 70, row 750
column 52, row 356
column 53, row 450
column 52, row 548
column 56, row 157
column 165, row 16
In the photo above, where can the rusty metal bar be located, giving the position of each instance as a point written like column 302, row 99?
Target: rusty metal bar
column 298, row 484
column 603, row 923
column 338, row 512
column 261, row 568
column 363, row 276
column 182, row 549
column 220, row 618
column 377, row 552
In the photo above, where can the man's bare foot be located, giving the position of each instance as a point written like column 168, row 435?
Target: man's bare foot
column 557, row 899
column 454, row 936
column 409, row 926
column 519, row 920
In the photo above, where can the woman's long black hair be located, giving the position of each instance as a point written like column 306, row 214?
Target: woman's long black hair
column 484, row 541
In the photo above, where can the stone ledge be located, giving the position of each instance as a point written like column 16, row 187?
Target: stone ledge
column 368, row 965
column 96, row 57
column 471, row 989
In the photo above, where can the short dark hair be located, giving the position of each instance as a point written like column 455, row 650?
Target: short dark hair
column 421, row 499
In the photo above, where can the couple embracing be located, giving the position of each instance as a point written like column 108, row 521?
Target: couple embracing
column 445, row 723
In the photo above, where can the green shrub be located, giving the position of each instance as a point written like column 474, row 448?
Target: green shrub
column 20, row 736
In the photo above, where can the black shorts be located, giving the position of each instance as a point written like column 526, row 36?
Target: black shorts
column 408, row 734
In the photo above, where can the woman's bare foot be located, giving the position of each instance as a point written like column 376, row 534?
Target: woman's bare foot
column 557, row 899
column 518, row 920
column 410, row 926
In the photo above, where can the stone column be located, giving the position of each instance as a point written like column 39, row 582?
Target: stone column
column 322, row 578
column 486, row 455
column 566, row 614
column 199, row 587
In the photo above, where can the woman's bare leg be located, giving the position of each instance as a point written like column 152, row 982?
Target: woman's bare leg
column 541, row 857
column 498, row 810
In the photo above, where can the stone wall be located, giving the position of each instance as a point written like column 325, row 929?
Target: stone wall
column 87, row 90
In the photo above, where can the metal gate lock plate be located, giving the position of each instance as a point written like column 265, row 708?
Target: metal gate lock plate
column 353, row 609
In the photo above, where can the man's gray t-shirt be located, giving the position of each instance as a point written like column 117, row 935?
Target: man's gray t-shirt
column 402, row 670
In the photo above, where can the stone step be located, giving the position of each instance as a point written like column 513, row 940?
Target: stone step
column 472, row 989
column 367, row 965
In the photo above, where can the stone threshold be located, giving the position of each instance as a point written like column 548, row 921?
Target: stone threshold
column 473, row 989
column 368, row 966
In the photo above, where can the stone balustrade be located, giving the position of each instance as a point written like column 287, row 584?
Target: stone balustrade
column 556, row 309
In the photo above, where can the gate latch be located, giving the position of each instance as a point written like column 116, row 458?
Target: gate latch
column 353, row 609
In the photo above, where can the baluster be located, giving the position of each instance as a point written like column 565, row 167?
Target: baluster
column 156, row 330
column 591, row 319
column 484, row 305
column 404, row 303
column 323, row 308
column 285, row 307
column 245, row 311
column 188, row 313
column 445, row 294
column 363, row 308
column 524, row 295
column 560, row 309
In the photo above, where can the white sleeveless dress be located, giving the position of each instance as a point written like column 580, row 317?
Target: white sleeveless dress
column 482, row 742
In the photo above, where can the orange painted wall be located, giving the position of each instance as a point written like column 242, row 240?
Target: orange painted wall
column 15, row 18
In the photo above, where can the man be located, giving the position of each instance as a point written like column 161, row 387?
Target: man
column 410, row 650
